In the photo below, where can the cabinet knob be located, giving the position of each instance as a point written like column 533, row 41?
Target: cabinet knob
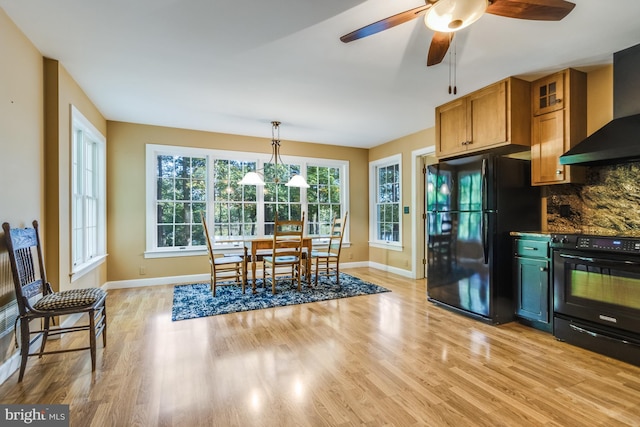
column 558, row 172
column 543, row 268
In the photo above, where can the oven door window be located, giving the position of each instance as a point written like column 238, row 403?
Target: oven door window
column 606, row 281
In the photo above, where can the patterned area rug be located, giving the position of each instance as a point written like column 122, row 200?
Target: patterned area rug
column 191, row 301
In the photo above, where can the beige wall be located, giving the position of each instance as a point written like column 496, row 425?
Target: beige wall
column 126, row 214
column 60, row 93
column 404, row 146
column 21, row 136
column 35, row 146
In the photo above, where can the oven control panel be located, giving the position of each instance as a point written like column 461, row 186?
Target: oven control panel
column 596, row 243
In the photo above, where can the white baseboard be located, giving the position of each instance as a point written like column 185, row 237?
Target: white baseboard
column 394, row 270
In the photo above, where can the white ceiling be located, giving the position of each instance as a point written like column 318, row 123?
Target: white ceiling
column 234, row 66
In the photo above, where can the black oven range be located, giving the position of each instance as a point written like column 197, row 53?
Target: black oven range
column 596, row 293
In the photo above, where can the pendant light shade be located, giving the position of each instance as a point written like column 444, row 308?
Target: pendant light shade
column 297, row 181
column 254, row 178
column 447, row 16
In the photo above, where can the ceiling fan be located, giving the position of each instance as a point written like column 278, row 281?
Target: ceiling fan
column 445, row 17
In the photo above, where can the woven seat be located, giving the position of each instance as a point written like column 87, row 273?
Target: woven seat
column 30, row 282
column 70, row 299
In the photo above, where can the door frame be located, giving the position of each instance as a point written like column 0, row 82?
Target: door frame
column 418, row 243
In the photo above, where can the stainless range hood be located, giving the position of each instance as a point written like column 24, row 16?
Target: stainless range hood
column 619, row 140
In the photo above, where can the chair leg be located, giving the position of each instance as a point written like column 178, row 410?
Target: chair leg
column 273, row 278
column 24, row 346
column 45, row 335
column 213, row 282
column 104, row 323
column 337, row 273
column 92, row 338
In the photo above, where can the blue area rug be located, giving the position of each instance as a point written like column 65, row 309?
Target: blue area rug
column 191, row 301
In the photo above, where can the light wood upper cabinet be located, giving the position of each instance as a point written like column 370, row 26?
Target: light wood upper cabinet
column 559, row 106
column 547, row 94
column 498, row 115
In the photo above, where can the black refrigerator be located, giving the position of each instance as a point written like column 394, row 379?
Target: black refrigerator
column 473, row 203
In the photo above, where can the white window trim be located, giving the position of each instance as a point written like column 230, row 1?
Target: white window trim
column 373, row 220
column 153, row 150
column 79, row 121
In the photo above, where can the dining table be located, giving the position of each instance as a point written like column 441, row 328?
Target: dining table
column 256, row 248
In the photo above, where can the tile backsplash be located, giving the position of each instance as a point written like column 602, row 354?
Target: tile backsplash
column 609, row 202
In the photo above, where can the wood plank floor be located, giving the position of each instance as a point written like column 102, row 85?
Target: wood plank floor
column 386, row 359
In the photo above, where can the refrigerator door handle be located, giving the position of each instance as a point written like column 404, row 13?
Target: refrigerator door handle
column 483, row 215
column 485, row 184
column 484, row 223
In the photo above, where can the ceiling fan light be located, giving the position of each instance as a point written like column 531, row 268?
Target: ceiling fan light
column 447, row 16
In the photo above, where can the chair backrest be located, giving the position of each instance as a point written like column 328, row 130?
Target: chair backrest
column 337, row 234
column 29, row 277
column 288, row 237
column 208, row 239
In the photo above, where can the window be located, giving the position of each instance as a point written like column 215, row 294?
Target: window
column 324, row 197
column 385, row 195
column 88, row 177
column 181, row 200
column 185, row 183
column 235, row 206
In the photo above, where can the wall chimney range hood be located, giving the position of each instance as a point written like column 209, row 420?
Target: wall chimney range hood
column 619, row 140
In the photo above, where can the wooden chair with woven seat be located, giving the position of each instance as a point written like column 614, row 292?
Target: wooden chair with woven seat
column 228, row 270
column 37, row 300
column 327, row 263
column 287, row 253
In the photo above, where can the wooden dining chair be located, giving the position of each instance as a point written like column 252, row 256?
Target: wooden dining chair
column 327, row 263
column 37, row 301
column 287, row 257
column 227, row 270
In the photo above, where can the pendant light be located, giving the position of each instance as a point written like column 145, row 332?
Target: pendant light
column 254, row 178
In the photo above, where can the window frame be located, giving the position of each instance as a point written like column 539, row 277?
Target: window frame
column 153, row 150
column 81, row 264
column 374, row 167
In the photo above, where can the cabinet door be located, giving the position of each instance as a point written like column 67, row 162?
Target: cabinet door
column 533, row 289
column 451, row 128
column 547, row 94
column 547, row 145
column 487, row 116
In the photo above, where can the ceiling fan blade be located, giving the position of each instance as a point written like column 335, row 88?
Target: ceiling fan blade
column 439, row 46
column 385, row 24
column 538, row 10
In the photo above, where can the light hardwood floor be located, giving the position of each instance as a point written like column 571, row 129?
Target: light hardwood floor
column 386, row 359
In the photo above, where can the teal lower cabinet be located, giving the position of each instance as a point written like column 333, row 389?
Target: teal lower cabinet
column 532, row 279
